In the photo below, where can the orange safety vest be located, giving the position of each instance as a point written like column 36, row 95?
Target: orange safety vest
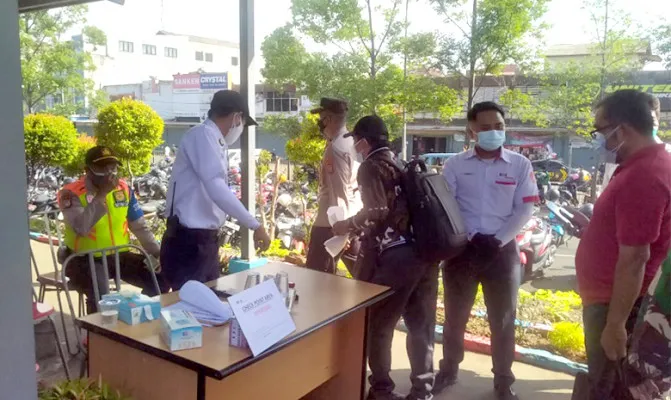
column 111, row 230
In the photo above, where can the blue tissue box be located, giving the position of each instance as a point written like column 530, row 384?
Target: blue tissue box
column 180, row 330
column 139, row 308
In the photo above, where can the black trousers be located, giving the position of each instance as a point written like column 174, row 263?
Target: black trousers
column 132, row 268
column 500, row 282
column 320, row 260
column 604, row 375
column 189, row 254
column 415, row 285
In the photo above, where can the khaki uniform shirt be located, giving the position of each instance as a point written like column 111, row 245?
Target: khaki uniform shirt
column 337, row 179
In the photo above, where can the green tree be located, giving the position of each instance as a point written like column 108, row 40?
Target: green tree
column 522, row 106
column 572, row 89
column 363, row 69
column 50, row 64
column 77, row 165
column 50, row 141
column 661, row 37
column 492, row 34
column 133, row 130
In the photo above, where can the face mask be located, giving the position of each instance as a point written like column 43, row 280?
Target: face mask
column 491, row 140
column 359, row 157
column 606, row 155
column 234, row 134
column 654, row 132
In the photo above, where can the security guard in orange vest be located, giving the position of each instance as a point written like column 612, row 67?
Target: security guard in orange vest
column 100, row 211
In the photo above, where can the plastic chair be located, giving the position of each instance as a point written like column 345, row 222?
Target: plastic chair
column 115, row 250
column 44, row 312
column 52, row 281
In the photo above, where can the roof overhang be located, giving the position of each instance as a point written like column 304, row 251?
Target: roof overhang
column 34, row 5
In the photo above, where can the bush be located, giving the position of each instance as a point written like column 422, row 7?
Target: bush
column 77, row 165
column 133, row 130
column 275, row 250
column 50, row 141
column 567, row 338
column 80, row 389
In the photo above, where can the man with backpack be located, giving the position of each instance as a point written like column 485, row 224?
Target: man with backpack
column 388, row 257
column 496, row 190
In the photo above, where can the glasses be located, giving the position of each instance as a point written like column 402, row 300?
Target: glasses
column 110, row 169
column 593, row 133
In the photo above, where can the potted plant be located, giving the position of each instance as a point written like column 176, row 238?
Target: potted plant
column 80, row 389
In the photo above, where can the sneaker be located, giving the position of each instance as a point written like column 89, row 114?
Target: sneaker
column 505, row 393
column 443, row 381
column 387, row 396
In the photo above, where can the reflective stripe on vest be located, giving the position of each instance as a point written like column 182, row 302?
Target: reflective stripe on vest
column 111, row 230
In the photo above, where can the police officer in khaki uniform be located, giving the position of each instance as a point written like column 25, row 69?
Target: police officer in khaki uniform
column 337, row 185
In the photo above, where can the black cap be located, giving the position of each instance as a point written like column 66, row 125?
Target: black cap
column 229, row 101
column 370, row 127
column 336, row 106
column 100, row 155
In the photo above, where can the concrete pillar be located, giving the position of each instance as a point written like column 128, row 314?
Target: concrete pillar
column 17, row 363
column 248, row 139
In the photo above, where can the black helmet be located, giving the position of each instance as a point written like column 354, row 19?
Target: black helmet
column 552, row 195
column 587, row 209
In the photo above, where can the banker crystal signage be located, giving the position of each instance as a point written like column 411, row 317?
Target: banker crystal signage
column 660, row 90
column 217, row 81
column 190, row 83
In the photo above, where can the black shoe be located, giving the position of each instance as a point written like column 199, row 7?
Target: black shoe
column 505, row 393
column 443, row 381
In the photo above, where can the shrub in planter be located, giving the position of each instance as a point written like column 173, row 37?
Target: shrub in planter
column 567, row 338
column 80, row 389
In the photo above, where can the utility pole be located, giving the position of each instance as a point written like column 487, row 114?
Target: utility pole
column 471, row 77
column 404, row 145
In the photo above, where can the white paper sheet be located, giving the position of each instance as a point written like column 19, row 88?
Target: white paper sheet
column 203, row 304
column 263, row 316
column 336, row 244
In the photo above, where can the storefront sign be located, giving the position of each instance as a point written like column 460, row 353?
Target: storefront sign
column 216, row 81
column 661, row 90
column 186, row 83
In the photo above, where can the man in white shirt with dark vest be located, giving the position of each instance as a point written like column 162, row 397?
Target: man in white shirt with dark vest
column 496, row 191
column 199, row 198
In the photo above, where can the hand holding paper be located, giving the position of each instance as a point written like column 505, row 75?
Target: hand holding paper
column 336, row 244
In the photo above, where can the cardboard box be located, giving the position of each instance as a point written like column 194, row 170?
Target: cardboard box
column 180, row 330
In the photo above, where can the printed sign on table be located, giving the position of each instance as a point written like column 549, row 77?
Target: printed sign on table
column 262, row 314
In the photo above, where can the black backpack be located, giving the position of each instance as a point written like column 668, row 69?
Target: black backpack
column 438, row 229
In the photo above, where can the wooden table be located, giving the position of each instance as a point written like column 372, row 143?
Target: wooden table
column 325, row 358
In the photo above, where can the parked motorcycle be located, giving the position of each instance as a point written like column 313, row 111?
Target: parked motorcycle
column 568, row 220
column 537, row 249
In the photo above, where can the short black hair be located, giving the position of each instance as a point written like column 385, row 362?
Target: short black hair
column 628, row 106
column 482, row 107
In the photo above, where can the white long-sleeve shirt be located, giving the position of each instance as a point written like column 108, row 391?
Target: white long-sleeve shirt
column 495, row 196
column 202, row 197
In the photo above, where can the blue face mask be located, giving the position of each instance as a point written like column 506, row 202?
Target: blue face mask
column 599, row 144
column 654, row 132
column 491, row 140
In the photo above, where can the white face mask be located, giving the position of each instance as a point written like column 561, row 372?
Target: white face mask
column 234, row 133
column 359, row 157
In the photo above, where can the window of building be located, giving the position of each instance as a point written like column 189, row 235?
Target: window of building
column 199, row 56
column 125, row 47
column 234, row 61
column 281, row 102
column 171, row 52
column 208, row 57
column 149, row 49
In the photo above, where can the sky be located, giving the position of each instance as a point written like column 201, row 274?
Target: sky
column 569, row 24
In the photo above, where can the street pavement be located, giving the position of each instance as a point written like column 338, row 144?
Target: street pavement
column 561, row 275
